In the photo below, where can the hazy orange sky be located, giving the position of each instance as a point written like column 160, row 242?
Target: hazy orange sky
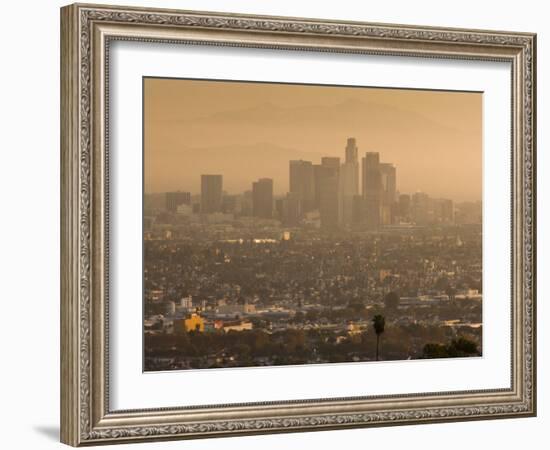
column 247, row 131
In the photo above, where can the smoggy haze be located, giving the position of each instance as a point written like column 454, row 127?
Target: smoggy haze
column 247, row 131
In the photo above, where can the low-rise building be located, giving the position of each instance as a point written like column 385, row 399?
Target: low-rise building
column 234, row 325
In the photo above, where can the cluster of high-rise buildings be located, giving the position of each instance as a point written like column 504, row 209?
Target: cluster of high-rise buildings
column 333, row 189
column 331, row 194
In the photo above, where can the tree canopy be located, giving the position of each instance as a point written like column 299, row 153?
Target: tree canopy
column 391, row 300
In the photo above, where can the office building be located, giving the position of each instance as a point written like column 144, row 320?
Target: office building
column 351, row 150
column 331, row 162
column 302, row 184
column 372, row 189
column 291, row 209
column 246, row 203
column 231, row 204
column 359, row 214
column 444, row 211
column 389, row 183
column 421, row 210
column 404, row 208
column 211, row 193
column 327, row 191
column 349, row 181
column 175, row 199
column 329, row 200
column 262, row 198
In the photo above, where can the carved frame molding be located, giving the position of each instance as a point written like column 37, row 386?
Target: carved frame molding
column 86, row 32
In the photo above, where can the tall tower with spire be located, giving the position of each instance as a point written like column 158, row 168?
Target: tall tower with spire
column 349, row 181
column 351, row 150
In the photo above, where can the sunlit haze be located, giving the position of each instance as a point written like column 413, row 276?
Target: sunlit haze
column 246, row 131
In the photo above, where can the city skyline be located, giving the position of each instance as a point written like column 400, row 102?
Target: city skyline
column 345, row 165
column 261, row 256
column 333, row 193
column 268, row 130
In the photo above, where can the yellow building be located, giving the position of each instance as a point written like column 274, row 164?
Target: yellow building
column 193, row 322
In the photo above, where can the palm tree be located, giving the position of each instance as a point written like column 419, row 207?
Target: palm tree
column 379, row 323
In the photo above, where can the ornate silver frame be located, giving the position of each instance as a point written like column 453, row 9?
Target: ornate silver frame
column 86, row 31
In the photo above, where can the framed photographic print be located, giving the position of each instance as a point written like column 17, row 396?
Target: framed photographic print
column 275, row 224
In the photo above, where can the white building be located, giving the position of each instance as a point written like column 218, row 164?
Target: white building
column 187, row 302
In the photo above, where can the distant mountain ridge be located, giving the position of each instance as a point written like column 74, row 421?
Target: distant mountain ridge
column 246, row 144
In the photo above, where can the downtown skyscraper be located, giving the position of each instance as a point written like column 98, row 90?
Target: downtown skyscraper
column 379, row 191
column 327, row 183
column 332, row 189
column 302, row 183
column 372, row 189
column 262, row 198
column 389, row 192
column 349, row 181
column 211, row 193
